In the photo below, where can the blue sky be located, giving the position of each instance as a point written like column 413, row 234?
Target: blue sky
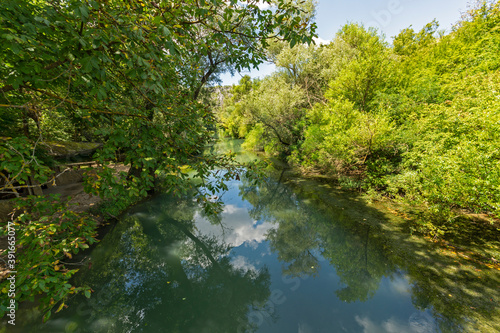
column 390, row 16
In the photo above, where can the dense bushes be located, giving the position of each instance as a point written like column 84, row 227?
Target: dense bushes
column 418, row 121
column 455, row 155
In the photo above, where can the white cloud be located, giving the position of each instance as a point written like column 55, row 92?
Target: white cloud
column 238, row 227
column 230, row 209
column 243, row 263
column 419, row 322
column 400, row 285
column 388, row 326
column 248, row 233
column 321, row 41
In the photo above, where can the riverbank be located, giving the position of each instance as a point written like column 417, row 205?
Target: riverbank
column 463, row 234
column 474, row 237
column 70, row 189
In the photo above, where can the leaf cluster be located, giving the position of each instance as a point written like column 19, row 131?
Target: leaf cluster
column 48, row 234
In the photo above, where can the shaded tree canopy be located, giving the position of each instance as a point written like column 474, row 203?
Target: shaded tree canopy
column 128, row 74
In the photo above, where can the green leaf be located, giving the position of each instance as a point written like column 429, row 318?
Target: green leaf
column 157, row 20
column 84, row 11
column 41, row 285
column 47, row 316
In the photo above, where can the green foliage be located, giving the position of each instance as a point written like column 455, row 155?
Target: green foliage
column 274, row 127
column 73, row 68
column 308, row 67
column 341, row 138
column 408, row 42
column 417, row 121
column 46, row 233
column 20, row 162
column 255, row 139
column 455, row 160
column 367, row 72
column 57, row 127
column 279, row 118
column 232, row 117
column 128, row 74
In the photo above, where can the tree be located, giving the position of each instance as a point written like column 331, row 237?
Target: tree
column 127, row 73
column 277, row 130
column 367, row 71
column 407, row 41
column 308, row 66
column 231, row 114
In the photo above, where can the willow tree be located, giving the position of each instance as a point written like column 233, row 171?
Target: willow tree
column 126, row 73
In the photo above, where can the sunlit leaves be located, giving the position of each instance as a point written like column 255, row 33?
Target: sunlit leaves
column 417, row 121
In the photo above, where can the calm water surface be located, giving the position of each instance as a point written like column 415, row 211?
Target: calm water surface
column 274, row 261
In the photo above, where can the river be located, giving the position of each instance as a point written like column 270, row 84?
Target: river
column 286, row 255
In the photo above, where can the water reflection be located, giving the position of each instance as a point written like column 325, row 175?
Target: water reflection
column 356, row 253
column 153, row 274
column 279, row 258
column 311, row 222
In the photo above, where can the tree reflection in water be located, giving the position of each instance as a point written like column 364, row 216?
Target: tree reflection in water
column 302, row 230
column 362, row 254
column 152, row 274
column 161, row 270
